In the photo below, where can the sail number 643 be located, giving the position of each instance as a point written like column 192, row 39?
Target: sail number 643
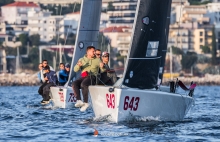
column 131, row 103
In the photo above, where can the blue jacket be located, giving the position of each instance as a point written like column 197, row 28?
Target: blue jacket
column 52, row 77
column 63, row 76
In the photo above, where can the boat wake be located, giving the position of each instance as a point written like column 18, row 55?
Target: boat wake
column 103, row 118
column 135, row 118
column 39, row 106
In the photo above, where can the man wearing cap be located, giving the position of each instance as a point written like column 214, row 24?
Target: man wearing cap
column 108, row 77
column 67, row 69
column 89, row 66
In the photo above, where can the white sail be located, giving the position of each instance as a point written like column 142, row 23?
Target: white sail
column 88, row 30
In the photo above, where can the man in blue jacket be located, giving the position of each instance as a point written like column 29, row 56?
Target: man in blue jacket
column 51, row 80
column 63, row 76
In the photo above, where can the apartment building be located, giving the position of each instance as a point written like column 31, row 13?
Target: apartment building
column 122, row 13
column 120, row 38
column 190, row 36
column 16, row 13
column 44, row 24
column 69, row 24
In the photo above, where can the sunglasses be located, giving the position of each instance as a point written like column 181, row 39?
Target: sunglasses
column 97, row 54
column 105, row 56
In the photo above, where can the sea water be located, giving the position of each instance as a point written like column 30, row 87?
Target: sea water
column 23, row 118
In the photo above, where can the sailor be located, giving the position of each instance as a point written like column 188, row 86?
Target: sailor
column 98, row 53
column 63, row 76
column 44, row 64
column 108, row 77
column 43, row 77
column 51, row 80
column 67, row 69
column 89, row 66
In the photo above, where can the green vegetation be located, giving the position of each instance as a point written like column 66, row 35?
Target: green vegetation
column 62, row 10
column 4, row 2
column 110, row 6
column 24, row 39
column 34, row 40
column 176, row 50
column 188, row 60
column 205, row 49
column 198, row 2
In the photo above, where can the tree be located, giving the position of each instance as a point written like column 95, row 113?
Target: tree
column 205, row 49
column 176, row 50
column 103, row 42
column 188, row 60
column 213, row 46
column 23, row 38
column 198, row 2
column 4, row 2
column 64, row 10
column 35, row 40
column 110, row 6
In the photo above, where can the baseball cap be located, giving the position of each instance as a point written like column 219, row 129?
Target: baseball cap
column 105, row 53
column 67, row 65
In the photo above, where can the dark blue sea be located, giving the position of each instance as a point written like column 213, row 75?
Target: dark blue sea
column 22, row 118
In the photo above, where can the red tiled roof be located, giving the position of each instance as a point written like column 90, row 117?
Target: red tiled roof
column 114, row 29
column 22, row 4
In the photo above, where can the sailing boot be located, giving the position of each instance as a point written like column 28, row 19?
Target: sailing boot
column 84, row 107
column 79, row 103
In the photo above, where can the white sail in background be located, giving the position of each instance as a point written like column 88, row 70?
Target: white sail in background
column 88, row 30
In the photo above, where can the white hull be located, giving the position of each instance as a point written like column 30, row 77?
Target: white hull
column 62, row 97
column 123, row 103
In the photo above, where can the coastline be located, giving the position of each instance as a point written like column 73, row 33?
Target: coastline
column 208, row 80
column 22, row 79
column 32, row 80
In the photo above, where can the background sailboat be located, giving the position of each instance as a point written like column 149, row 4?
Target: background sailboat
column 87, row 34
column 135, row 93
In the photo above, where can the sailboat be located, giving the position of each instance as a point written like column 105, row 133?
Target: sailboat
column 87, row 35
column 139, row 93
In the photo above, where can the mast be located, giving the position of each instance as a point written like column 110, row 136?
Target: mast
column 146, row 57
column 87, row 32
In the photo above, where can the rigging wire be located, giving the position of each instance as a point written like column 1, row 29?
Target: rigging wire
column 58, row 36
column 66, row 37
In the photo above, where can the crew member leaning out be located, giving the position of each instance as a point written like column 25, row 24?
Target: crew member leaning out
column 89, row 66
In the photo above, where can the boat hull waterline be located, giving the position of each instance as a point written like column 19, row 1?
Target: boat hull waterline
column 123, row 103
column 62, row 97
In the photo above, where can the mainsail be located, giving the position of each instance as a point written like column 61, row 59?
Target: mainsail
column 146, row 59
column 88, row 30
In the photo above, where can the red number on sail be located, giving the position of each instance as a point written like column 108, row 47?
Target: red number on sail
column 61, row 96
column 72, row 98
column 136, row 103
column 126, row 102
column 132, row 104
column 110, row 98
